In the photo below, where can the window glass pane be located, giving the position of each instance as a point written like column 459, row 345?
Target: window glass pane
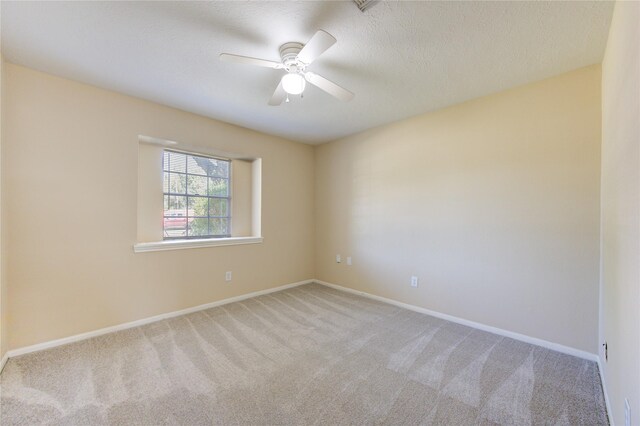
column 199, row 212
column 165, row 182
column 176, row 162
column 171, row 231
column 175, row 223
column 165, row 160
column 175, row 217
column 218, row 207
column 198, row 206
column 177, row 183
column 199, row 227
column 196, row 185
column 218, row 226
column 176, row 206
column 219, row 168
column 197, row 165
column 212, row 166
column 223, row 167
column 219, row 187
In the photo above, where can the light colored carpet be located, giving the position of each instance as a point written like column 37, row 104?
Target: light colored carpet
column 307, row 355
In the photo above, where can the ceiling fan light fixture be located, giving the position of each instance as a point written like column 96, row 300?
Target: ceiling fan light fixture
column 293, row 83
column 294, row 59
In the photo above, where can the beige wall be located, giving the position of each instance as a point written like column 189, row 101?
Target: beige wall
column 493, row 203
column 620, row 279
column 150, row 200
column 70, row 173
column 4, row 311
column 241, row 198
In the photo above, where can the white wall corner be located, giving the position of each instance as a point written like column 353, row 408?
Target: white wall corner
column 604, row 392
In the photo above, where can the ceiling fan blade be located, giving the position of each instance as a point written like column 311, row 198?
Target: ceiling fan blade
column 320, row 42
column 278, row 96
column 227, row 57
column 329, row 86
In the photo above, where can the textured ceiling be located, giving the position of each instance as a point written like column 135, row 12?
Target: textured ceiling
column 400, row 58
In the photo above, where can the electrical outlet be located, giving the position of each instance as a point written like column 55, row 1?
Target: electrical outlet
column 627, row 413
column 414, row 281
column 227, row 276
column 349, row 260
column 338, row 258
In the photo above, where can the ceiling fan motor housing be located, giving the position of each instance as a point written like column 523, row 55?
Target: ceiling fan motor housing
column 289, row 53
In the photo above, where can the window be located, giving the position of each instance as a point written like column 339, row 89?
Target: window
column 197, row 196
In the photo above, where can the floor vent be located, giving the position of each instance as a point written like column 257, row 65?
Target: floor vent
column 364, row 4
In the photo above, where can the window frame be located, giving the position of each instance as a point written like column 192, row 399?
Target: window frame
column 229, row 217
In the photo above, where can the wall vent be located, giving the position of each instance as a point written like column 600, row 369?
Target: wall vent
column 364, row 4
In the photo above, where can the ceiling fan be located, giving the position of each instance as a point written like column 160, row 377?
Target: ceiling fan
column 294, row 59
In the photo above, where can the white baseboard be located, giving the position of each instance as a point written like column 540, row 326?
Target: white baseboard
column 604, row 391
column 3, row 361
column 83, row 336
column 106, row 330
column 517, row 336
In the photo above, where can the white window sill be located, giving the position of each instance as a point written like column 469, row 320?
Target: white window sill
column 189, row 244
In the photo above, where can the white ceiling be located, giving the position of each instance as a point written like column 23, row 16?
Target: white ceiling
column 400, row 58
